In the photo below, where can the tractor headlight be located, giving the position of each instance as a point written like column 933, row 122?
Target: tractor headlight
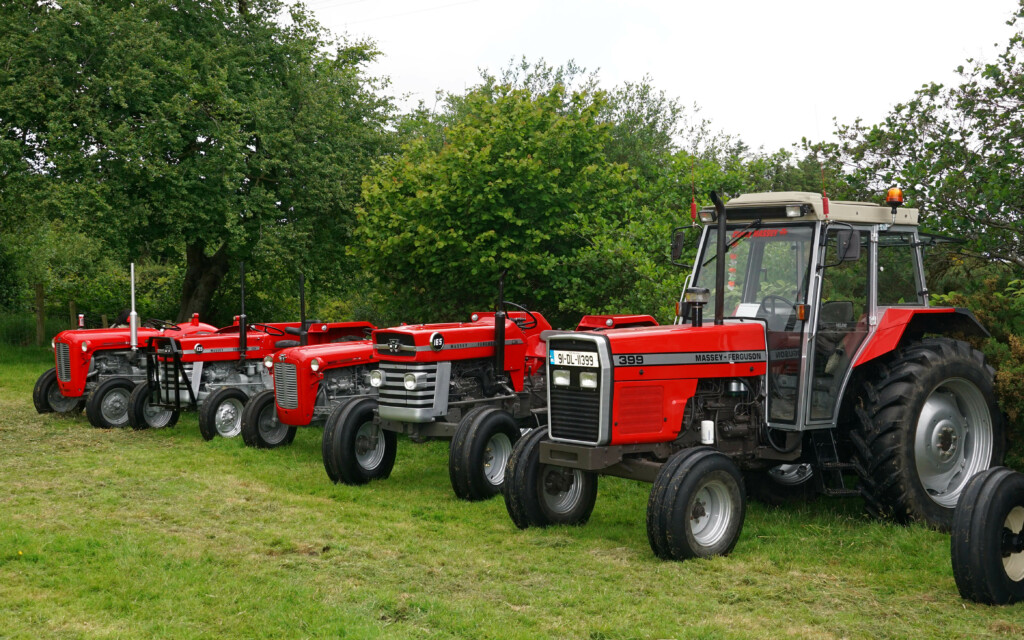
column 268, row 362
column 314, row 364
column 376, row 378
column 85, row 346
column 588, row 380
column 53, row 344
column 560, row 377
column 412, row 381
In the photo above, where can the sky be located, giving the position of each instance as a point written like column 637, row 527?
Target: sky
column 767, row 72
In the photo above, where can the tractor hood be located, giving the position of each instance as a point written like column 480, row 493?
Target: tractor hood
column 330, row 356
column 120, row 338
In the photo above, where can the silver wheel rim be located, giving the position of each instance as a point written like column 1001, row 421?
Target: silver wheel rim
column 369, row 446
column 59, row 402
column 496, row 455
column 791, row 475
column 561, row 488
column 1013, row 564
column 271, row 430
column 710, row 513
column 953, row 439
column 156, row 417
column 227, row 418
column 114, row 407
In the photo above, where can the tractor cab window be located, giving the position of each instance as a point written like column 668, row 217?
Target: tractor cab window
column 842, row 320
column 767, row 270
column 898, row 275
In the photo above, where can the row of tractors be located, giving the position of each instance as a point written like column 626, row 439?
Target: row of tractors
column 821, row 370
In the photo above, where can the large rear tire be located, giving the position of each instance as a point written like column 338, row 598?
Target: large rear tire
column 927, row 426
column 987, row 542
column 143, row 415
column 107, row 406
column 479, row 452
column 260, row 427
column 221, row 413
column 696, row 507
column 356, row 450
column 47, row 398
column 540, row 495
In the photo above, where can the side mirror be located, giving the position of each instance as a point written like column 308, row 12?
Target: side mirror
column 847, row 245
column 679, row 243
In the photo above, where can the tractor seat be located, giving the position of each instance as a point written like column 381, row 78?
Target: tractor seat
column 284, row 344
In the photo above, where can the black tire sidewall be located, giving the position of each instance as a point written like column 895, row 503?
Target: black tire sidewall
column 93, row 406
column 41, row 391
column 343, row 444
column 208, row 412
column 468, row 449
column 137, row 409
column 681, row 492
column 252, row 412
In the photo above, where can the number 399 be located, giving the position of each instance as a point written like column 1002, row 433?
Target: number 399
column 630, row 360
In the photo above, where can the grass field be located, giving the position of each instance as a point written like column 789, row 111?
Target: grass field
column 118, row 534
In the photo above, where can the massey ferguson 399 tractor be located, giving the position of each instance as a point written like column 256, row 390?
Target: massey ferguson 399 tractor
column 309, row 382
column 103, row 365
column 823, row 361
column 477, row 383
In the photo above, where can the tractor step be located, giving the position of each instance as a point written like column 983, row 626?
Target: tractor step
column 840, row 493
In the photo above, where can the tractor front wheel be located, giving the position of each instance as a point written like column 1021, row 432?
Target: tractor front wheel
column 987, row 543
column 356, row 450
column 143, row 415
column 696, row 507
column 540, row 495
column 479, row 452
column 107, row 406
column 221, row 413
column 260, row 427
column 927, row 426
column 47, row 398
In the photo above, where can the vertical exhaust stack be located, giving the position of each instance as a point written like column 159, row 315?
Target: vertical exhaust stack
column 133, row 318
column 720, row 262
column 242, row 342
column 499, row 329
column 303, row 329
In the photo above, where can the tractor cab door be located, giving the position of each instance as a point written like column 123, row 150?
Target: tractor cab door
column 841, row 322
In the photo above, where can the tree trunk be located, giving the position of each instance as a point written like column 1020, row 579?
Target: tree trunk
column 40, row 317
column 203, row 275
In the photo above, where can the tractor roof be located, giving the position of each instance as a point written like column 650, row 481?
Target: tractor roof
column 773, row 206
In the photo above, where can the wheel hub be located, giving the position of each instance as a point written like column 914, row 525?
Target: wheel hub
column 699, row 511
column 944, row 441
column 365, row 444
column 558, row 481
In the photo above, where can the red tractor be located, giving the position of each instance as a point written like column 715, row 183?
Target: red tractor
column 309, row 382
column 824, row 362
column 478, row 383
column 103, row 365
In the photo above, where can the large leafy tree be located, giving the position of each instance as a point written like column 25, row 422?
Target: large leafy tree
column 958, row 151
column 204, row 131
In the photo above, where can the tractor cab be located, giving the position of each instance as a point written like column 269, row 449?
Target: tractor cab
column 821, row 277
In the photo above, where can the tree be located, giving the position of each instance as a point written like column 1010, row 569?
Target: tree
column 195, row 130
column 957, row 151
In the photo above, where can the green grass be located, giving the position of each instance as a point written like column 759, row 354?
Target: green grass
column 117, row 534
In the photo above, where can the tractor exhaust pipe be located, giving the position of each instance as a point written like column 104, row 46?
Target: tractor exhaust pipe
column 133, row 318
column 499, row 329
column 242, row 337
column 720, row 262
column 303, row 329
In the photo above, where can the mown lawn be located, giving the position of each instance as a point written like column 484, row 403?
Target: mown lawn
column 118, row 534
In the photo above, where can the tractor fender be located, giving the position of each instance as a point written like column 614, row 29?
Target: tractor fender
column 898, row 325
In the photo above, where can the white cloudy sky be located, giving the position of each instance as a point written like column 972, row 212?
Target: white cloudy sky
column 769, row 72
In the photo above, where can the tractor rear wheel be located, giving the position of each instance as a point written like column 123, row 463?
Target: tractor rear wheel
column 221, row 413
column 696, row 507
column 540, row 495
column 479, row 452
column 987, row 542
column 107, row 406
column 143, row 415
column 354, row 447
column 260, row 427
column 927, row 426
column 47, row 398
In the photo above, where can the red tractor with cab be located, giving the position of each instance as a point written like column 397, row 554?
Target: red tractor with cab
column 479, row 384
column 824, row 370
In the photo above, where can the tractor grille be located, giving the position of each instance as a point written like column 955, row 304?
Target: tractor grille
column 286, row 388
column 63, row 362
column 393, row 393
column 575, row 415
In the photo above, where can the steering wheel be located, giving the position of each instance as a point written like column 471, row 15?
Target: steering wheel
column 161, row 324
column 770, row 312
column 274, row 331
column 523, row 324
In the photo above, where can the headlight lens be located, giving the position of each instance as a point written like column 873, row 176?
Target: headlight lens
column 268, row 362
column 53, row 344
column 410, row 381
column 85, row 346
column 560, row 377
column 376, row 378
column 314, row 364
column 588, row 380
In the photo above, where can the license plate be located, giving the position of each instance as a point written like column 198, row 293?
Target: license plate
column 573, row 358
